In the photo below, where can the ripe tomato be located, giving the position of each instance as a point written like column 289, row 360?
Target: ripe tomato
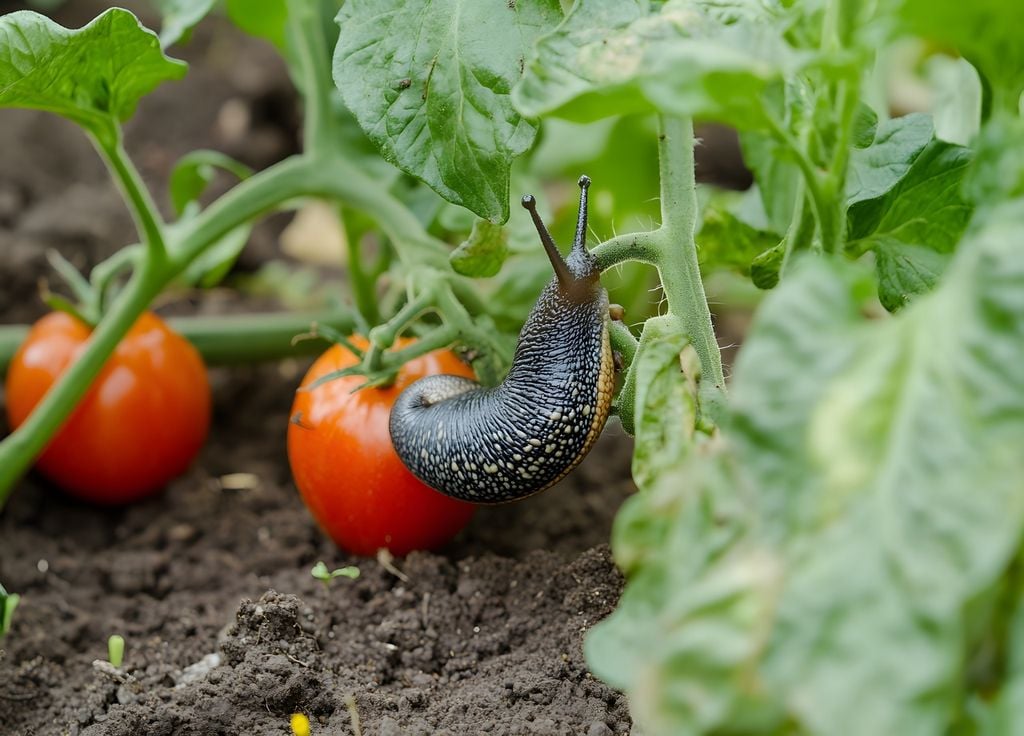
column 140, row 424
column 349, row 475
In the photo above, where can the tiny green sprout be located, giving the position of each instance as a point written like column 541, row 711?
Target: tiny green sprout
column 325, row 576
column 115, row 650
column 8, row 602
column 300, row 724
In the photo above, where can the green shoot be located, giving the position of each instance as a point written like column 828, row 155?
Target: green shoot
column 115, row 650
column 325, row 576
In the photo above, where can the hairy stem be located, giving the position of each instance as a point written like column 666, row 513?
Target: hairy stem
column 676, row 247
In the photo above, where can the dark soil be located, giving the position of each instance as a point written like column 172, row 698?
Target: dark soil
column 227, row 632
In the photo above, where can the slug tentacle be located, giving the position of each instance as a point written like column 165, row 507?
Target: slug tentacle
column 490, row 445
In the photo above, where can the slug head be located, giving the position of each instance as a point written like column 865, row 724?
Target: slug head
column 578, row 275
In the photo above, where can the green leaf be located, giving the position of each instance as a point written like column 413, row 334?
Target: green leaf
column 8, row 602
column 726, row 241
column 216, row 262
column 179, row 17
column 686, row 58
column 483, row 253
column 865, row 126
column 264, row 19
column 957, row 104
column 194, row 171
column 429, row 82
column 765, row 268
column 776, row 174
column 321, row 573
column 986, row 32
column 907, row 206
column 664, row 399
column 997, row 172
column 93, row 76
column 837, row 558
column 191, row 175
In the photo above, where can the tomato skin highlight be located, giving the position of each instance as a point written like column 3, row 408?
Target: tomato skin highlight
column 347, row 470
column 139, row 425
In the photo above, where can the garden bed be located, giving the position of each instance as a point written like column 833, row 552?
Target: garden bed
column 483, row 637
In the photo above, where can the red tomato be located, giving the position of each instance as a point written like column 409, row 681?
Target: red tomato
column 349, row 475
column 140, row 424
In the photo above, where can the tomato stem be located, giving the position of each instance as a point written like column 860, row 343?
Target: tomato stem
column 312, row 72
column 148, row 221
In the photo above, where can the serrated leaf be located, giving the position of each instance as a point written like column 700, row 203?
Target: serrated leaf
column 179, row 17
column 691, row 59
column 907, row 206
column 483, row 253
column 429, row 82
column 839, row 558
column 93, row 76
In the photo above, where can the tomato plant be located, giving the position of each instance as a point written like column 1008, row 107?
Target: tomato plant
column 835, row 536
column 346, row 468
column 142, row 421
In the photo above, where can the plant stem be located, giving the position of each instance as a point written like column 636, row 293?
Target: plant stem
column 676, row 247
column 247, row 338
column 144, row 211
column 313, row 73
column 294, row 177
column 629, row 247
column 304, row 176
column 363, row 281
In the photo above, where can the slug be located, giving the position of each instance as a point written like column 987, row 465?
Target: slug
column 492, row 445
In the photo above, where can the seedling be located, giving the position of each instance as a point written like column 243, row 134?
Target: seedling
column 8, row 602
column 115, row 650
column 325, row 576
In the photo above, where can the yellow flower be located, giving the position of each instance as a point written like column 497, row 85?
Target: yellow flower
column 300, row 724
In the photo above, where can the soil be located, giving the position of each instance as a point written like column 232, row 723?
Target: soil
column 226, row 630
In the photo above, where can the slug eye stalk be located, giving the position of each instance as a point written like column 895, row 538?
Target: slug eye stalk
column 580, row 267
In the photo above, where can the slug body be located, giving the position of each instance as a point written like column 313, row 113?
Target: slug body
column 492, row 445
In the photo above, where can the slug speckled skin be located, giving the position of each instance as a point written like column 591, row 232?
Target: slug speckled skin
column 492, row 445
